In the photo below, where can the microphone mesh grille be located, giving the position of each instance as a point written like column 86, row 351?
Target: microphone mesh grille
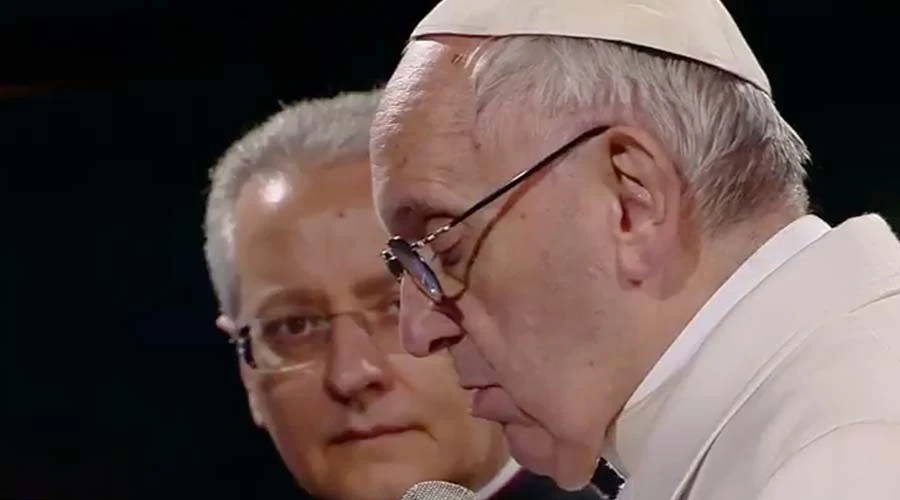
column 438, row 490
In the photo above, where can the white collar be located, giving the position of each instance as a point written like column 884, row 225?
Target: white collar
column 776, row 251
column 504, row 476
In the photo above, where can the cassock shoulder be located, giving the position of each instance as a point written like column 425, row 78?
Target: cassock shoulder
column 855, row 461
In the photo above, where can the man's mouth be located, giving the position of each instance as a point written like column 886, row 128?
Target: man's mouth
column 493, row 403
column 474, row 385
column 480, row 398
column 363, row 434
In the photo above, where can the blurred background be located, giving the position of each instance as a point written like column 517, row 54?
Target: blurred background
column 111, row 113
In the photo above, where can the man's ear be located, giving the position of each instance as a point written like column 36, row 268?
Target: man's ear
column 648, row 198
column 251, row 387
column 227, row 326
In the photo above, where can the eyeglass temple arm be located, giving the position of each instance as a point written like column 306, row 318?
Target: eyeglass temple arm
column 515, row 181
column 521, row 176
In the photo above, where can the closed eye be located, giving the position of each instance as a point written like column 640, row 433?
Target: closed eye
column 445, row 247
column 450, row 255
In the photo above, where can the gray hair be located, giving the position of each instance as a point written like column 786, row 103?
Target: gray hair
column 304, row 135
column 737, row 155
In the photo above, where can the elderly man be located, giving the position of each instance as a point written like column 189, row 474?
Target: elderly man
column 600, row 213
column 292, row 243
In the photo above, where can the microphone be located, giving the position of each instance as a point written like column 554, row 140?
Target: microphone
column 438, row 490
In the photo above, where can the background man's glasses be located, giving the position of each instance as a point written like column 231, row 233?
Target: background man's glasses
column 402, row 257
column 295, row 342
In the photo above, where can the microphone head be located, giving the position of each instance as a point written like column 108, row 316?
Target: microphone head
column 438, row 490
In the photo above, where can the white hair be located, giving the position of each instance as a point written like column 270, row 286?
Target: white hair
column 737, row 155
column 308, row 134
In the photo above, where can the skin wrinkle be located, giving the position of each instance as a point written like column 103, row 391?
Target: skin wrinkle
column 442, row 117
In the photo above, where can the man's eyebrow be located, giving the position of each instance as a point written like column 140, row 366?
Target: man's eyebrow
column 278, row 296
column 408, row 215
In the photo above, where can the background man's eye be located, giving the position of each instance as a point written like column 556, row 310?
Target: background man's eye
column 292, row 326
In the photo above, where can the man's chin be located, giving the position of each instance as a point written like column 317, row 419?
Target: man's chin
column 569, row 481
column 535, row 449
column 531, row 447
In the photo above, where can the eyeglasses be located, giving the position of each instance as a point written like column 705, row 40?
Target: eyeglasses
column 293, row 342
column 402, row 257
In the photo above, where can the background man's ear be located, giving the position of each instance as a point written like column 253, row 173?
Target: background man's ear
column 252, row 390
column 227, row 326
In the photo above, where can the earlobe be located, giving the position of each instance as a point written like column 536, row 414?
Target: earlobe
column 255, row 411
column 253, row 402
column 227, row 326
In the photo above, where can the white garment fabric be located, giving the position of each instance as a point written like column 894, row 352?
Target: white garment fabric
column 770, row 256
column 504, row 476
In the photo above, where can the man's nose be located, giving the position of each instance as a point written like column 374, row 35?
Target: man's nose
column 356, row 367
column 423, row 328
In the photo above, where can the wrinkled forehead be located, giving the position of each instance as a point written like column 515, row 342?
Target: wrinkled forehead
column 423, row 135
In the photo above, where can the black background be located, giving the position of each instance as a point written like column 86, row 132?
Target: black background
column 117, row 384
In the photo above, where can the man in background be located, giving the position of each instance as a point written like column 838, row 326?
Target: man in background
column 600, row 212
column 291, row 244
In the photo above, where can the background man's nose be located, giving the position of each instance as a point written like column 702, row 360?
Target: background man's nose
column 357, row 369
column 424, row 329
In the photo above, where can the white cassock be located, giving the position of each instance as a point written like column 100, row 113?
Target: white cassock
column 786, row 384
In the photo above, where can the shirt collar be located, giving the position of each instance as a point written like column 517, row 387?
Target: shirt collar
column 770, row 256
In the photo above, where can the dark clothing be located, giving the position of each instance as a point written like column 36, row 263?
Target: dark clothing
column 528, row 486
column 607, row 480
